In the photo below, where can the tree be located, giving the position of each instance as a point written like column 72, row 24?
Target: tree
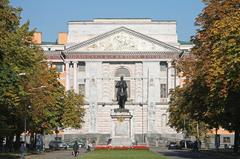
column 73, row 113
column 217, row 48
column 27, row 82
column 212, row 78
column 17, row 56
column 180, row 116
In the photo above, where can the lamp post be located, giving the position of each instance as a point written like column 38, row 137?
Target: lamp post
column 141, row 105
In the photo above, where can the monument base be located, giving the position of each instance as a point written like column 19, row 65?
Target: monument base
column 121, row 110
column 121, row 128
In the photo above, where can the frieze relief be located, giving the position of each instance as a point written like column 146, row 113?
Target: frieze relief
column 123, row 41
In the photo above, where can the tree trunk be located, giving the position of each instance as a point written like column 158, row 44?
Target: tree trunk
column 236, row 140
column 217, row 143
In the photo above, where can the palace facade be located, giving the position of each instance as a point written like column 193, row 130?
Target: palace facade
column 93, row 55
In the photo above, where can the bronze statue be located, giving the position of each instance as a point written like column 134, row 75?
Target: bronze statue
column 121, row 92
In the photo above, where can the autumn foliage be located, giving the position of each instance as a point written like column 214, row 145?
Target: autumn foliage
column 211, row 93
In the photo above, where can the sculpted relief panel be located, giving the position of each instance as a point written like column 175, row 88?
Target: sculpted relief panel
column 123, row 41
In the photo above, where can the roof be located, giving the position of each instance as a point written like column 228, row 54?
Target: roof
column 48, row 43
column 120, row 29
column 122, row 19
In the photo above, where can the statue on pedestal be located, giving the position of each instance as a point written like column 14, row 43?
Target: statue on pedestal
column 121, row 92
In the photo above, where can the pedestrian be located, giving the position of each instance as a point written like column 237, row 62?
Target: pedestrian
column 22, row 150
column 75, row 148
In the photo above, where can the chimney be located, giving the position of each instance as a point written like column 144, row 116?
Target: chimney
column 37, row 38
column 62, row 38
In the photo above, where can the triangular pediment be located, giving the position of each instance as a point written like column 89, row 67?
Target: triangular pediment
column 122, row 39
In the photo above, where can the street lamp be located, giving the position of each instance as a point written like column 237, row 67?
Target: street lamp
column 141, row 105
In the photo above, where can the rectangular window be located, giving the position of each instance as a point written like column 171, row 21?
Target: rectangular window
column 163, row 91
column 81, row 88
column 81, row 66
column 59, row 67
column 163, row 66
column 226, row 140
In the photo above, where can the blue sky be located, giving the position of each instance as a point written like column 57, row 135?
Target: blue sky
column 51, row 16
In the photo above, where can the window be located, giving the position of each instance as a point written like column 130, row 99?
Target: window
column 163, row 91
column 226, row 140
column 81, row 88
column 59, row 67
column 81, row 66
column 122, row 72
column 164, row 120
column 163, row 66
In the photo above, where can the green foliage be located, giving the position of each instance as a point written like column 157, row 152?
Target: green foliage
column 180, row 116
column 217, row 52
column 212, row 83
column 12, row 55
column 73, row 110
column 29, row 89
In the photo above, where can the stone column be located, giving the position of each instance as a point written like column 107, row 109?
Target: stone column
column 169, row 78
column 67, row 84
column 75, row 77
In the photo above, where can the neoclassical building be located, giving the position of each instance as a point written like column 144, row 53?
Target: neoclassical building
column 93, row 55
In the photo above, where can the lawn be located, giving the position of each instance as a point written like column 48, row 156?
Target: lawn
column 121, row 154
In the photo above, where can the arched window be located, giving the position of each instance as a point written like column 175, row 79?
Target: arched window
column 122, row 72
column 125, row 73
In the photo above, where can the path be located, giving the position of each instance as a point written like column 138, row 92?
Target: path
column 63, row 154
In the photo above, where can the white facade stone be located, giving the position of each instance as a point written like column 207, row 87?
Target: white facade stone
column 137, row 45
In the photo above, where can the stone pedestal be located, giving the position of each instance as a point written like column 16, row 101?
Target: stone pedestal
column 121, row 128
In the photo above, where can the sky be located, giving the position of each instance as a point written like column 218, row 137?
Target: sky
column 51, row 16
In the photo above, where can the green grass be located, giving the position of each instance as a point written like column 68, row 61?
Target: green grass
column 121, row 154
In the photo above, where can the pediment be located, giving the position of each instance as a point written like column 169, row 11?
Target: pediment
column 122, row 39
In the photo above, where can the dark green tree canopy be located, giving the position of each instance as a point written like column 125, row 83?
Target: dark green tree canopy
column 29, row 89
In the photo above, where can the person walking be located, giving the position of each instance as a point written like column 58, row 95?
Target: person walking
column 75, row 148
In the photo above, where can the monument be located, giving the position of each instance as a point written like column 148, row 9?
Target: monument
column 121, row 92
column 121, row 135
